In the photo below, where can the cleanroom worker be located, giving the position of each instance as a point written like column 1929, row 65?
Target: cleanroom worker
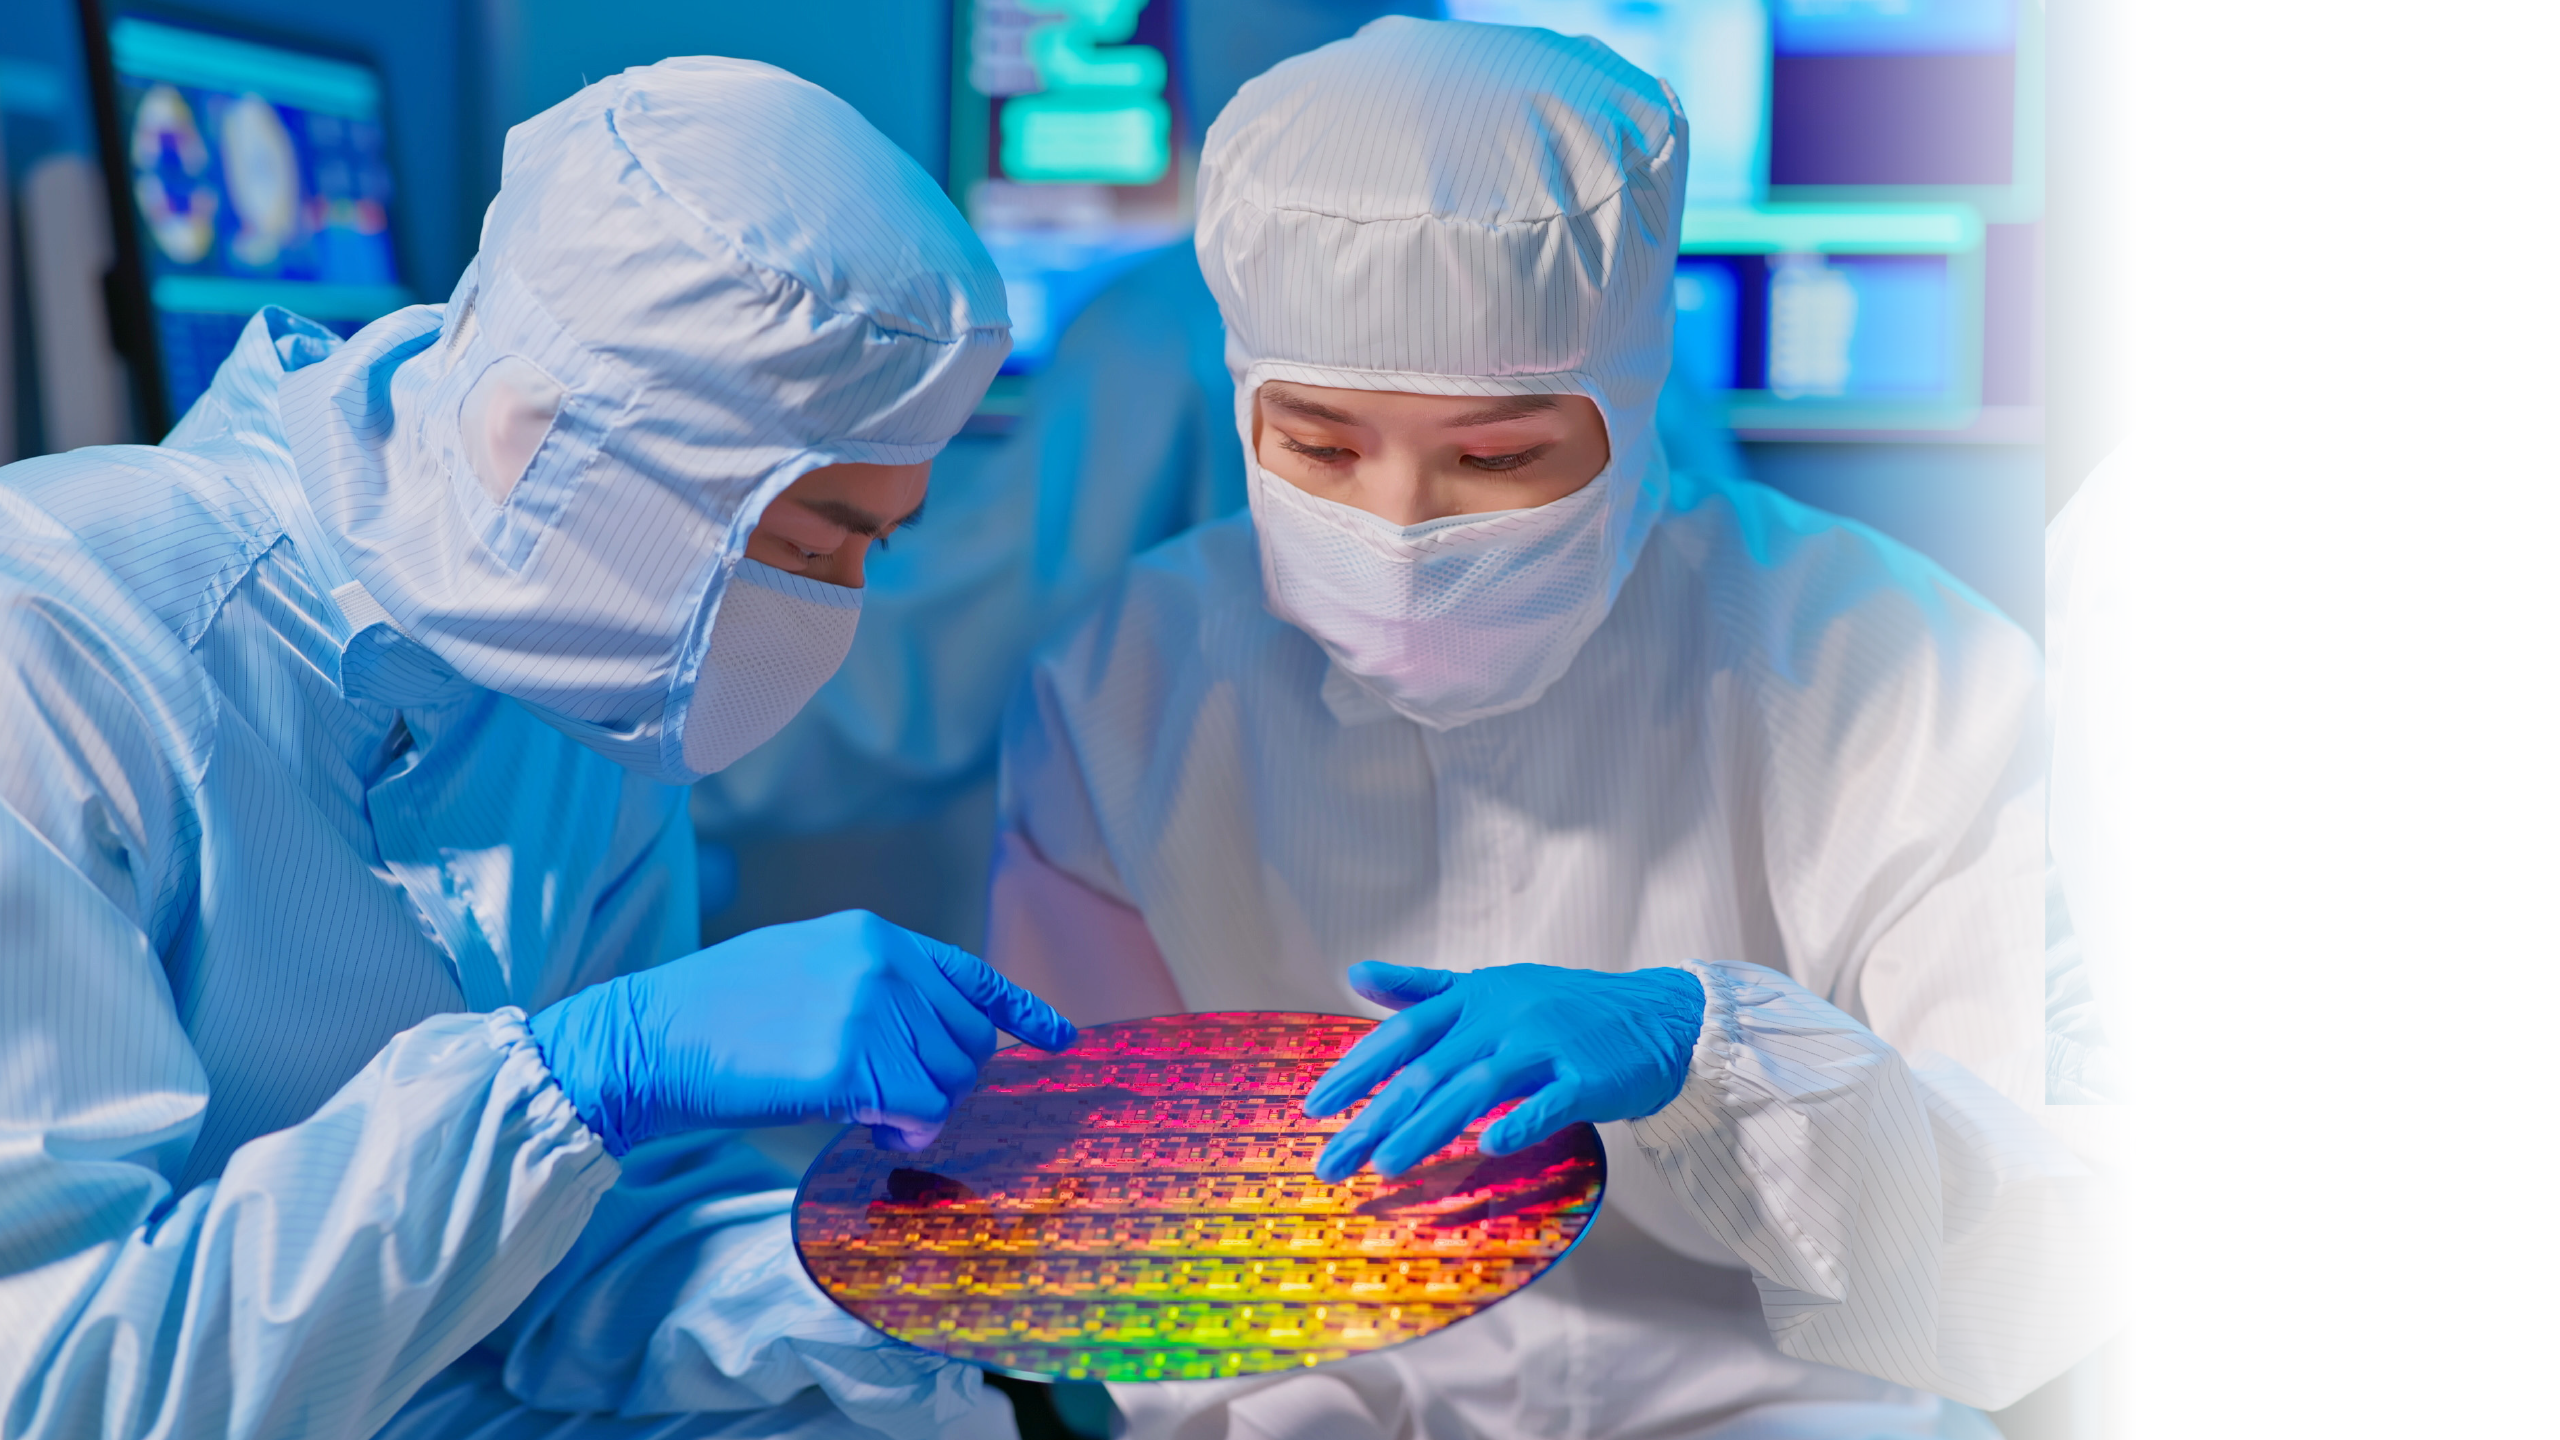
column 348, row 729
column 1126, row 440
column 1718, row 822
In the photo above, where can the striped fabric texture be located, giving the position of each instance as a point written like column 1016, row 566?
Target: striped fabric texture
column 1126, row 441
column 283, row 866
column 1795, row 757
column 732, row 279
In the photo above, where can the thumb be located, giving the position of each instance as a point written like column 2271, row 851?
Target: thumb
column 904, row 1136
column 1397, row 986
column 1009, row 1005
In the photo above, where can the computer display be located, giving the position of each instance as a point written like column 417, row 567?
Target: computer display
column 1714, row 54
column 1919, row 94
column 258, row 175
column 1804, row 326
column 1859, row 234
column 1064, row 140
column 1861, row 175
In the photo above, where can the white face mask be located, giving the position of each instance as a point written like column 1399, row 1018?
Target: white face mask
column 777, row 638
column 1448, row 621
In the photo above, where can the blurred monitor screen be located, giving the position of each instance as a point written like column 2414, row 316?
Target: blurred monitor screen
column 1713, row 53
column 259, row 176
column 1849, row 162
column 1892, row 92
column 1858, row 236
column 1065, row 149
column 1873, row 327
column 1841, row 316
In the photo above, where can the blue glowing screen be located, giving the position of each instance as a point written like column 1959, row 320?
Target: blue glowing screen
column 1876, row 327
column 260, row 176
column 1894, row 27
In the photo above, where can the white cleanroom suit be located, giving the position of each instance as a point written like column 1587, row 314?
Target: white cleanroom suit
column 338, row 729
column 1782, row 752
column 1123, row 444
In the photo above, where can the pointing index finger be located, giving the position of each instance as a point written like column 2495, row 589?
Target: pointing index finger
column 1010, row 1006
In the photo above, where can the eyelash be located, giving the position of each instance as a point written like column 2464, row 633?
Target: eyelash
column 1496, row 464
column 1321, row 454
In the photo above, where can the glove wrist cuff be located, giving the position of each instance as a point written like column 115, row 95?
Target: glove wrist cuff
column 1693, row 1024
column 581, row 1039
column 1690, row 992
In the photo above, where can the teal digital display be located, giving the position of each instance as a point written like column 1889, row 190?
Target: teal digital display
column 1065, row 150
column 1100, row 115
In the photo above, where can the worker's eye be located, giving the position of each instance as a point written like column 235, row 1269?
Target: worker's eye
column 914, row 518
column 1321, row 454
column 1499, row 463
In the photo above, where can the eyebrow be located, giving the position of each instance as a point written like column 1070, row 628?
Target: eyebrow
column 1297, row 404
column 1510, row 408
column 863, row 522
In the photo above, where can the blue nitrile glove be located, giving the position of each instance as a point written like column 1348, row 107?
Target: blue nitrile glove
column 846, row 1017
column 1580, row 1044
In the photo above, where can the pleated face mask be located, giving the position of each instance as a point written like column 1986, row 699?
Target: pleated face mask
column 1440, row 208
column 1448, row 621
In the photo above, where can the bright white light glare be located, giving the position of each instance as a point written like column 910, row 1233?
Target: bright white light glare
column 2345, row 650
column 1813, row 317
column 1714, row 53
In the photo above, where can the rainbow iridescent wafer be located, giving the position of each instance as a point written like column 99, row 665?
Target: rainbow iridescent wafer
column 1144, row 1207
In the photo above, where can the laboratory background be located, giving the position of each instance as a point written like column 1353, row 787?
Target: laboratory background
column 1882, row 257
column 1896, row 297
column 2310, row 373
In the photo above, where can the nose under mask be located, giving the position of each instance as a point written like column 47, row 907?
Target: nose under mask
column 776, row 640
column 1449, row 621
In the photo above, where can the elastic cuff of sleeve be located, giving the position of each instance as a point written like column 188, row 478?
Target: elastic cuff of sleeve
column 551, row 1118
column 554, row 1036
column 1719, row 1025
column 547, row 1107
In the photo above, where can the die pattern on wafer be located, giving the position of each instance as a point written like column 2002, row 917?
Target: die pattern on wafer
column 1144, row 1207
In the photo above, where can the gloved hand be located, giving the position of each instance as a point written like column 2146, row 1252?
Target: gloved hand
column 846, row 1016
column 1580, row 1044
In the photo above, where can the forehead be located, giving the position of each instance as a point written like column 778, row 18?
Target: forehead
column 885, row 490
